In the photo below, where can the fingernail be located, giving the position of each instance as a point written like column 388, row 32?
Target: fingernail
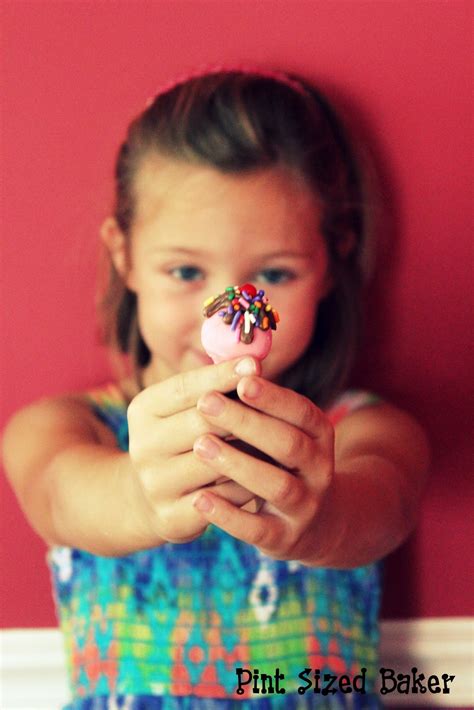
column 203, row 504
column 252, row 388
column 246, row 366
column 206, row 447
column 211, row 404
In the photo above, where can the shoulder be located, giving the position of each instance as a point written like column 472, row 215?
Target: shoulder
column 383, row 429
column 348, row 402
column 68, row 411
column 41, row 428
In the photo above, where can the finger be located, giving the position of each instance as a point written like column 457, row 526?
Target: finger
column 179, row 476
column 283, row 404
column 182, row 391
column 232, row 492
column 177, row 433
column 286, row 443
column 182, row 521
column 261, row 530
column 179, row 521
column 284, row 491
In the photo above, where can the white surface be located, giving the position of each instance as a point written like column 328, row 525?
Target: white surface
column 33, row 674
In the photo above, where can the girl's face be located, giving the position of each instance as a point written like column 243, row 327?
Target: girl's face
column 197, row 231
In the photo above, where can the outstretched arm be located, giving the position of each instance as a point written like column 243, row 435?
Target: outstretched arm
column 77, row 488
column 72, row 482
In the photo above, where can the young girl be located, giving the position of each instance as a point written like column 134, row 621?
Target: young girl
column 174, row 589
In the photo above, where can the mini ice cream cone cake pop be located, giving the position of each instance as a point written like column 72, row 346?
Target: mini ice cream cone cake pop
column 238, row 322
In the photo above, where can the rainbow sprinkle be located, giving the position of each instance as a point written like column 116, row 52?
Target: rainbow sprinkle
column 244, row 309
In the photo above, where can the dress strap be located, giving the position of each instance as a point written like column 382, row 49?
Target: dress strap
column 107, row 395
column 110, row 406
column 349, row 402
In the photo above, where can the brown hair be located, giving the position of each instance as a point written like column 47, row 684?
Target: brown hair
column 238, row 122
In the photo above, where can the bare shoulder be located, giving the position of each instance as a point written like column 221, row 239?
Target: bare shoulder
column 66, row 413
column 40, row 430
column 384, row 430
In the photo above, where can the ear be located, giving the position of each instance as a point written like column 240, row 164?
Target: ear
column 116, row 244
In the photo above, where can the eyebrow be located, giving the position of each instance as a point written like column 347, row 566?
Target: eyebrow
column 177, row 250
column 269, row 255
column 287, row 252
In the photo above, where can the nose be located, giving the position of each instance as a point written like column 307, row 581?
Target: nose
column 220, row 283
column 213, row 287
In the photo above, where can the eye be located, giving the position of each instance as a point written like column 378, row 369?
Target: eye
column 186, row 273
column 275, row 276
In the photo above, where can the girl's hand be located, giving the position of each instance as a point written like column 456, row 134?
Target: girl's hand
column 164, row 422
column 292, row 430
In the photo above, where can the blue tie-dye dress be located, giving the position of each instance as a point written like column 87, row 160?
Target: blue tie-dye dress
column 166, row 629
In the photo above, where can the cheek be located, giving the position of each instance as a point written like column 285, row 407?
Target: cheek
column 291, row 339
column 168, row 312
column 163, row 322
column 295, row 332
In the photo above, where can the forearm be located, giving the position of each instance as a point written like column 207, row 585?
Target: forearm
column 92, row 500
column 370, row 509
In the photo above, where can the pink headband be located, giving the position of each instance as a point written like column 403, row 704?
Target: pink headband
column 205, row 69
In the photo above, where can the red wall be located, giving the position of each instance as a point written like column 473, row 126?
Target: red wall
column 76, row 72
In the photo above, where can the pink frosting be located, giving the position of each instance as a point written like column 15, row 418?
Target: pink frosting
column 221, row 343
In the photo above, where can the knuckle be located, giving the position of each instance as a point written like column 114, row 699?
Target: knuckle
column 292, row 446
column 169, row 522
column 198, row 424
column 292, row 539
column 136, row 447
column 138, row 450
column 259, row 537
column 308, row 411
column 311, row 415
column 286, row 490
column 148, row 483
column 134, row 410
column 220, row 374
column 165, row 516
column 226, row 368
column 313, row 504
column 327, row 427
column 299, row 493
column 180, row 386
column 134, row 450
column 239, row 416
column 326, row 476
column 280, row 543
column 309, row 511
column 322, row 481
column 306, row 448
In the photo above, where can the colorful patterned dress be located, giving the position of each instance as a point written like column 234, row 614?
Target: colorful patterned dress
column 166, row 628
